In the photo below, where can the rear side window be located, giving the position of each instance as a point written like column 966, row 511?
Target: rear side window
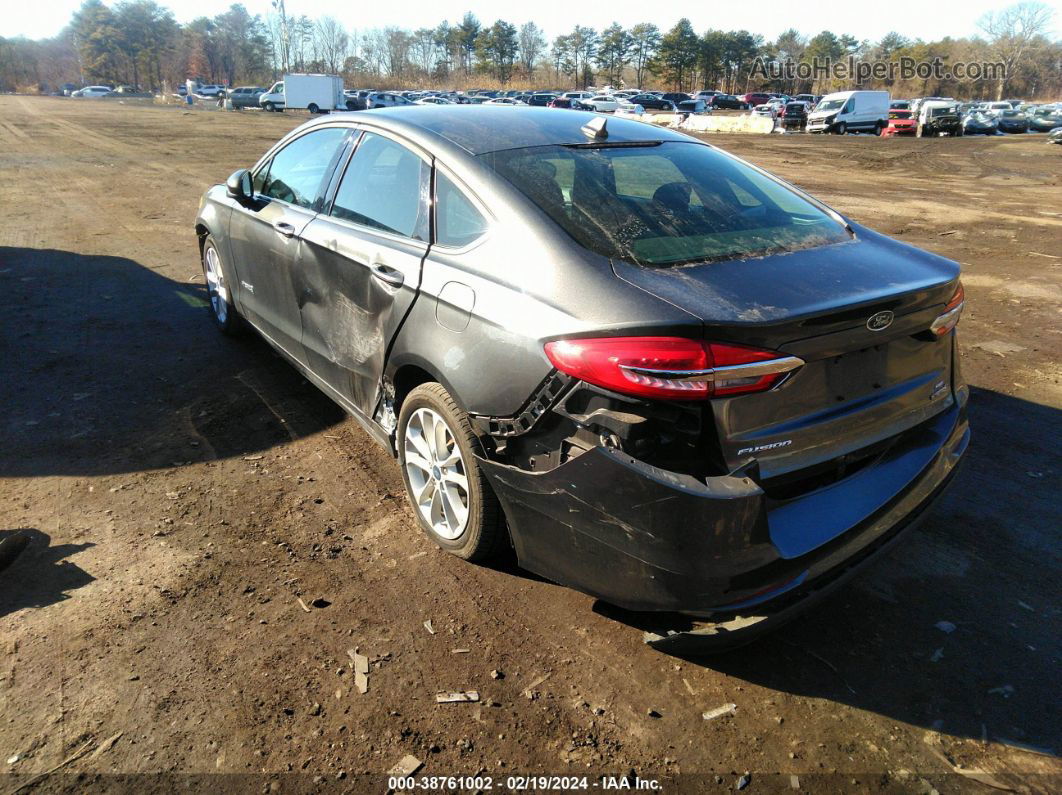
column 385, row 187
column 668, row 204
column 299, row 171
column 458, row 222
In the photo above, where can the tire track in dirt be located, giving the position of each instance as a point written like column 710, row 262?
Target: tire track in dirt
column 88, row 137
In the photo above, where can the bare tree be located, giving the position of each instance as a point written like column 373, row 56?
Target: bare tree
column 330, row 43
column 1012, row 32
column 396, row 53
column 531, row 44
column 422, row 51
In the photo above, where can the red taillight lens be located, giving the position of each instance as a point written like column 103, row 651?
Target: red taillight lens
column 949, row 318
column 670, row 367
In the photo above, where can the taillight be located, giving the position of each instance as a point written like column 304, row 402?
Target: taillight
column 673, row 368
column 949, row 319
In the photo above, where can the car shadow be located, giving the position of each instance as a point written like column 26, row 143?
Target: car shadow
column 956, row 628
column 108, row 367
column 34, row 573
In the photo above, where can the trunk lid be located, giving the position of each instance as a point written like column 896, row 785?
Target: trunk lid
column 858, row 387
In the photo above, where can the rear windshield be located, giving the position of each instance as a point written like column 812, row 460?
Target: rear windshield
column 667, row 204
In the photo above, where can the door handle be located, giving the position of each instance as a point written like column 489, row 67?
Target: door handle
column 387, row 275
column 284, row 228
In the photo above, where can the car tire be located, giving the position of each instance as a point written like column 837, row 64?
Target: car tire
column 312, row 107
column 219, row 295
column 840, row 129
column 434, row 488
column 879, row 128
column 269, row 107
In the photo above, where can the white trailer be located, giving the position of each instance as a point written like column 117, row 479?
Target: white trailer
column 315, row 93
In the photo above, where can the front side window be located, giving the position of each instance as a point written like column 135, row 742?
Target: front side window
column 299, row 171
column 666, row 204
column 457, row 220
column 385, row 187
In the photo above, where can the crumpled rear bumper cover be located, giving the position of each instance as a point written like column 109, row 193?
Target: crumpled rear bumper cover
column 646, row 539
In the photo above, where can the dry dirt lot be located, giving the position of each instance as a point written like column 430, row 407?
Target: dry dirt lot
column 182, row 491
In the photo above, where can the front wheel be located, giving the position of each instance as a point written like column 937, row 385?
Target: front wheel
column 269, row 107
column 221, row 308
column 447, row 490
column 840, row 129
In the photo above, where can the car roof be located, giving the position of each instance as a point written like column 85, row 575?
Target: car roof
column 481, row 129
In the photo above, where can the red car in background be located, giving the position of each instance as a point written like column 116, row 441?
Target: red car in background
column 752, row 100
column 901, row 122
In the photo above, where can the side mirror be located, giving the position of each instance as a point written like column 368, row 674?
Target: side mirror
column 238, row 185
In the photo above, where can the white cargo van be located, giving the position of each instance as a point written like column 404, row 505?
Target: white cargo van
column 315, row 93
column 851, row 111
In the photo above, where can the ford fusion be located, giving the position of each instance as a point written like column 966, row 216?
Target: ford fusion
column 658, row 373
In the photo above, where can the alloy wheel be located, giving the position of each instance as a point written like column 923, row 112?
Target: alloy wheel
column 219, row 293
column 437, row 473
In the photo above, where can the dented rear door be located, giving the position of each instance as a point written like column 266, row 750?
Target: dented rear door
column 360, row 266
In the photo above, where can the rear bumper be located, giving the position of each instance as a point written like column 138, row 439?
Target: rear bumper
column 645, row 539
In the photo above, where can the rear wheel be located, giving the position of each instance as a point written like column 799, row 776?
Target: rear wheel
column 447, row 490
column 312, row 107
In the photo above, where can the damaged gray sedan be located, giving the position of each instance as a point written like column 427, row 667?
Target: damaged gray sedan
column 661, row 375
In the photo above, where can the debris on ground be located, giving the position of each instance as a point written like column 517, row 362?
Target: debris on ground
column 361, row 670
column 428, row 626
column 320, row 602
column 1004, row 690
column 938, row 655
column 945, row 626
column 652, row 713
column 718, row 712
column 743, row 782
column 496, row 674
column 794, row 782
column 460, row 651
column 361, row 662
column 305, row 607
column 106, row 745
column 407, row 766
column 529, row 691
column 462, row 697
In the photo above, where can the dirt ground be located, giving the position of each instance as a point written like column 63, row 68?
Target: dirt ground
column 182, row 491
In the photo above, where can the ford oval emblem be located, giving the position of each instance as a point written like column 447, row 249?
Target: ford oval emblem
column 880, row 321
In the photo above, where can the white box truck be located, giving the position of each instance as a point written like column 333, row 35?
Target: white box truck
column 315, row 93
column 851, row 111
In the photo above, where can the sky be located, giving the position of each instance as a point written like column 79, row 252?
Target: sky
column 926, row 19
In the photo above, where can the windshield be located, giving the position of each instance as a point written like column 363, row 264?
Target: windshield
column 666, row 204
column 934, row 112
column 830, row 104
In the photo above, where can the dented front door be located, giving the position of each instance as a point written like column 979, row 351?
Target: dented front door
column 360, row 267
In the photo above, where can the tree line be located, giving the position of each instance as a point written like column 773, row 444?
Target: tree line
column 139, row 43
